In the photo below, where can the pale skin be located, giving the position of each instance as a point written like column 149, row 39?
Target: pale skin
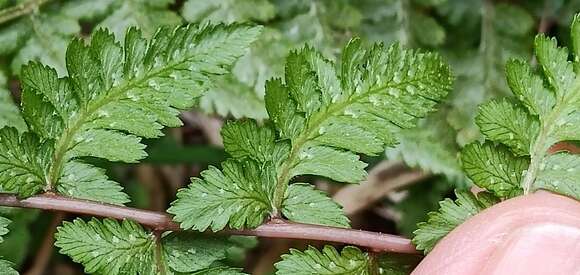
column 529, row 235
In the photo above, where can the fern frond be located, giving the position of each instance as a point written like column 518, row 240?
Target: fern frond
column 114, row 95
column 350, row 260
column 328, row 261
column 550, row 115
column 450, row 215
column 111, row 247
column 320, row 119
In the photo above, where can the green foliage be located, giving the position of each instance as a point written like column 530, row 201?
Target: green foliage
column 107, row 247
column 320, row 120
column 9, row 113
column 111, row 247
column 25, row 161
column 43, row 33
column 5, row 266
column 4, row 222
column 228, row 10
column 113, row 96
column 496, row 121
column 238, row 196
column 350, row 260
column 494, row 168
column 328, row 261
column 480, row 70
column 549, row 114
column 545, row 112
column 84, row 181
column 559, row 173
column 430, row 147
column 148, row 15
column 106, row 93
column 305, row 204
column 450, row 215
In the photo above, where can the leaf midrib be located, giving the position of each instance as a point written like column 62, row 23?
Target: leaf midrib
column 305, row 136
column 64, row 142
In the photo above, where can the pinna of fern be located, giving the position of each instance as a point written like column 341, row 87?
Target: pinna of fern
column 515, row 158
column 112, row 97
column 320, row 121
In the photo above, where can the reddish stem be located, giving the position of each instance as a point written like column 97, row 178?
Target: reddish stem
column 159, row 221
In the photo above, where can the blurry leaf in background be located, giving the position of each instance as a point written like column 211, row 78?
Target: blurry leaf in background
column 148, row 15
column 402, row 21
column 480, row 72
column 420, row 200
column 167, row 150
column 47, row 42
column 237, row 254
column 18, row 242
column 44, row 35
column 227, row 11
column 431, row 147
column 9, row 112
column 229, row 96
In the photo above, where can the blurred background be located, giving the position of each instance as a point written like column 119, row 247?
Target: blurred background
column 475, row 36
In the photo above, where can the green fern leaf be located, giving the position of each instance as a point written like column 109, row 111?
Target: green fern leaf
column 496, row 121
column 350, row 260
column 529, row 88
column 396, row 88
column 186, row 252
column 5, row 266
column 115, row 95
column 321, row 120
column 108, row 247
column 238, row 196
column 24, row 161
column 247, row 140
column 305, row 204
column 328, row 261
column 494, row 168
column 559, row 173
column 84, row 181
column 450, row 215
column 111, row 247
column 552, row 116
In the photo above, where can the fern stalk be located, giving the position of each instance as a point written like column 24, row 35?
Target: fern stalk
column 160, row 222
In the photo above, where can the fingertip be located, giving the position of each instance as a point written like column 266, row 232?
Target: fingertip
column 470, row 247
